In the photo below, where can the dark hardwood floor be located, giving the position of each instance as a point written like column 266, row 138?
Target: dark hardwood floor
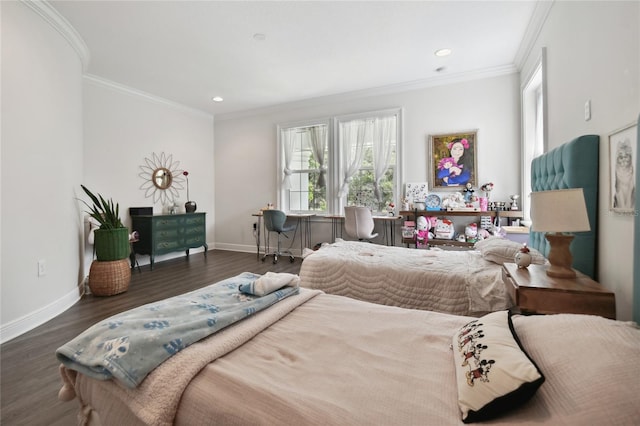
column 29, row 369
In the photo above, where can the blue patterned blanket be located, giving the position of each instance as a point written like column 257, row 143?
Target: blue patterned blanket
column 129, row 345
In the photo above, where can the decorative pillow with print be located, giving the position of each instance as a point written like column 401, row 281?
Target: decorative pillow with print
column 500, row 250
column 493, row 372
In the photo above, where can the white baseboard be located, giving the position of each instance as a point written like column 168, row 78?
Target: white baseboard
column 251, row 248
column 34, row 319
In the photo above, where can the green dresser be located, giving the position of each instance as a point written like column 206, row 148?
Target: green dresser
column 160, row 234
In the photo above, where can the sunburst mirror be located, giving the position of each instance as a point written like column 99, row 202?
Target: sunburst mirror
column 162, row 178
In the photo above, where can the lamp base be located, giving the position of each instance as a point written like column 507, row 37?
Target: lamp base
column 560, row 256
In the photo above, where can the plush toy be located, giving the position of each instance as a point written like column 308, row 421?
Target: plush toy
column 424, row 230
column 454, row 200
column 444, row 229
column 482, row 234
column 471, row 233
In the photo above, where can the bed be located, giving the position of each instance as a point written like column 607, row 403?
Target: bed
column 461, row 283
column 572, row 165
column 455, row 282
column 316, row 358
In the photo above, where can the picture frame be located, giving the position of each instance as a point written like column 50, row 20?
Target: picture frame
column 622, row 172
column 416, row 191
column 453, row 160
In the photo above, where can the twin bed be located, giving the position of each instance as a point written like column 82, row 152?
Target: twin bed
column 319, row 358
column 461, row 283
column 455, row 282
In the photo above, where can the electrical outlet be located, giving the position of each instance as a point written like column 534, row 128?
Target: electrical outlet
column 587, row 110
column 42, row 267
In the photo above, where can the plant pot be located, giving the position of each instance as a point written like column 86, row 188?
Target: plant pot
column 190, row 206
column 109, row 278
column 112, row 244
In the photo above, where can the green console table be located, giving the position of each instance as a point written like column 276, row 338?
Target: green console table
column 160, row 234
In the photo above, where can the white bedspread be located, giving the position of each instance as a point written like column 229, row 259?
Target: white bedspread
column 455, row 282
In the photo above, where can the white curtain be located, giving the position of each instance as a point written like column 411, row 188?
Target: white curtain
column 539, row 138
column 288, row 140
column 352, row 137
column 384, row 134
column 318, row 142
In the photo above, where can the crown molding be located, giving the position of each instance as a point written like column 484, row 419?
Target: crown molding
column 103, row 82
column 62, row 26
column 440, row 80
column 537, row 21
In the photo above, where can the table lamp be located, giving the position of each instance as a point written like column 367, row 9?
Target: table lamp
column 556, row 212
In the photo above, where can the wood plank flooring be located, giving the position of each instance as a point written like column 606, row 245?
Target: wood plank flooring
column 29, row 369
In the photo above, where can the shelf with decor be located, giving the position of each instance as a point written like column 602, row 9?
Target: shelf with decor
column 412, row 215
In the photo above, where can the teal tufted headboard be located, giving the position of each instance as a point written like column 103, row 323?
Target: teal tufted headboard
column 572, row 165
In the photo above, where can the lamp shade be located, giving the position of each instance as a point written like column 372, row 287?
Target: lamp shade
column 562, row 210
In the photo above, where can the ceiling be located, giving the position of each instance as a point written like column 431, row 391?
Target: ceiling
column 190, row 51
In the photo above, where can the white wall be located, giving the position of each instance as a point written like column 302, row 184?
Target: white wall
column 593, row 54
column 122, row 128
column 246, row 147
column 41, row 167
column 60, row 130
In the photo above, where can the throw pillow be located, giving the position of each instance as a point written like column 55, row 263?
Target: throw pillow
column 500, row 250
column 493, row 372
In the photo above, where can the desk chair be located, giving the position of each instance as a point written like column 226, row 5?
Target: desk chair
column 274, row 222
column 358, row 223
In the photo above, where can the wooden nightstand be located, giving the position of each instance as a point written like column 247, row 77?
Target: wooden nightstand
column 533, row 291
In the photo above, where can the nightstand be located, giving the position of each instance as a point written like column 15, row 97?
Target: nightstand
column 533, row 291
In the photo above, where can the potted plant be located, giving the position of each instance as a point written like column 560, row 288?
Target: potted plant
column 111, row 241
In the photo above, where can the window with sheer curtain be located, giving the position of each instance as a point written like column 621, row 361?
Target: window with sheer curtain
column 533, row 126
column 351, row 160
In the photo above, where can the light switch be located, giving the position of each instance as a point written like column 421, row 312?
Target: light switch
column 587, row 110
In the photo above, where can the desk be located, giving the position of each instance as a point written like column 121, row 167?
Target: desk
column 387, row 222
column 303, row 225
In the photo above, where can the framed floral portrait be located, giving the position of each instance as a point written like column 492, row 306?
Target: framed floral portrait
column 453, row 160
column 622, row 172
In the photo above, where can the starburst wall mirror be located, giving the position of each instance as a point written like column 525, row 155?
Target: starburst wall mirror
column 162, row 178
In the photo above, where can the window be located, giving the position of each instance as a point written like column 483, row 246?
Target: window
column 303, row 157
column 354, row 163
column 533, row 126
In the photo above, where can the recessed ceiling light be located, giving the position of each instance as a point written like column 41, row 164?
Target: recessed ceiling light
column 443, row 52
column 217, row 99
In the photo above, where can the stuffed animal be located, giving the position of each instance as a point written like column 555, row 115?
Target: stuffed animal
column 454, row 200
column 471, row 233
column 482, row 234
column 424, row 230
column 444, row 229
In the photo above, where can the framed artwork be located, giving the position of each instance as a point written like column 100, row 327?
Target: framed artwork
column 417, row 191
column 453, row 160
column 622, row 173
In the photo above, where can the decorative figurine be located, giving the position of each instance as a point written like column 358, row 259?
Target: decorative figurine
column 514, row 202
column 523, row 258
column 468, row 192
column 487, row 188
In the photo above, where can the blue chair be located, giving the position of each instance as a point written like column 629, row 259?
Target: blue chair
column 274, row 221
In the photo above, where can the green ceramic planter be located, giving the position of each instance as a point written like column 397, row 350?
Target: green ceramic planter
column 112, row 244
